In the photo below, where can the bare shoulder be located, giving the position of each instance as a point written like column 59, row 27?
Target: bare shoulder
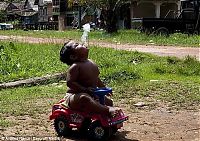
column 91, row 61
column 94, row 66
column 73, row 67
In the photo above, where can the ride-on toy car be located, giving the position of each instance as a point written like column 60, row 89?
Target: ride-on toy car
column 95, row 126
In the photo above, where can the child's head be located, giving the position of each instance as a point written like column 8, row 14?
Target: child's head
column 73, row 52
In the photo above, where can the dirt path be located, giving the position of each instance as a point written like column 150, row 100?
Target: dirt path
column 179, row 52
column 159, row 124
column 157, row 50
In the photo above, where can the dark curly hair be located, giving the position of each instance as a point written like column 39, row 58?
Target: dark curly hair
column 65, row 53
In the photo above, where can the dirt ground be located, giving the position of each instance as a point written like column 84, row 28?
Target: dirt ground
column 159, row 124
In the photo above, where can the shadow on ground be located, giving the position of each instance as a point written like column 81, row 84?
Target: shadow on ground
column 119, row 136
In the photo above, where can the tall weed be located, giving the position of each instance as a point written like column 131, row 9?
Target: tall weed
column 190, row 66
column 8, row 64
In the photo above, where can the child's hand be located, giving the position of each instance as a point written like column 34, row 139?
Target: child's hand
column 90, row 90
column 110, row 94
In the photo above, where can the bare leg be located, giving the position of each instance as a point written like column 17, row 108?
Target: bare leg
column 86, row 103
column 108, row 101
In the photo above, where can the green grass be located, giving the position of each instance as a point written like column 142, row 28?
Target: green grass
column 134, row 76
column 123, row 36
column 30, row 100
column 19, row 61
column 5, row 123
column 174, row 94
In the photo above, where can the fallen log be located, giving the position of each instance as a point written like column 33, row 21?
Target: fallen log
column 34, row 81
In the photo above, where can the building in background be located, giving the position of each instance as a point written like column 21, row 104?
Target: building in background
column 153, row 9
column 29, row 13
column 12, row 9
column 3, row 6
column 45, row 11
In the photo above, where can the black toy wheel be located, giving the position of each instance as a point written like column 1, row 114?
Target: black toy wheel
column 61, row 126
column 114, row 130
column 98, row 133
column 162, row 31
column 85, row 126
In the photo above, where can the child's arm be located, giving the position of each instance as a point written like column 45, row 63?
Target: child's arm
column 72, row 83
column 72, row 76
column 100, row 84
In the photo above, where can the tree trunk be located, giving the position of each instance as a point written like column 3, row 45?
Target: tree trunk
column 111, row 21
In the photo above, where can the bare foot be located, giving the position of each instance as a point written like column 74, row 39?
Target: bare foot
column 113, row 110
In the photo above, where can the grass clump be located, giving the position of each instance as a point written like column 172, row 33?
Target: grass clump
column 190, row 66
column 5, row 123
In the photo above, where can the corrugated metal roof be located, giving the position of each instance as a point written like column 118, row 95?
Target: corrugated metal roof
column 19, row 5
column 3, row 5
column 26, row 14
column 30, row 4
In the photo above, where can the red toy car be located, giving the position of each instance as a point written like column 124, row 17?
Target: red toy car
column 96, row 126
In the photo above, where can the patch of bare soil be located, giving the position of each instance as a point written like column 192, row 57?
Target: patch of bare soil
column 143, row 125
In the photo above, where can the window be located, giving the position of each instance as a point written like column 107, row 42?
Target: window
column 55, row 2
column 56, row 9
